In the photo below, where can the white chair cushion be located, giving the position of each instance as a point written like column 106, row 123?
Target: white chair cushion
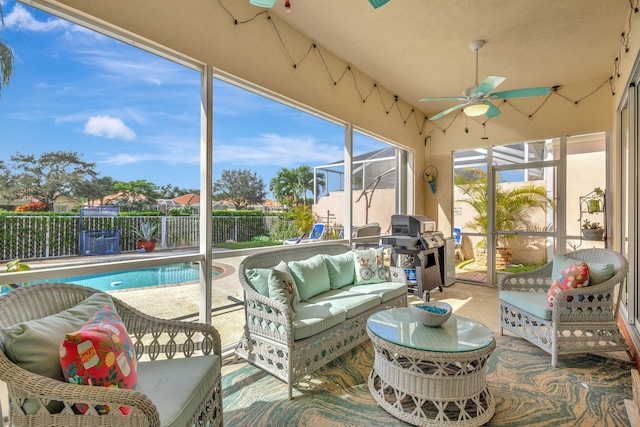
column 177, row 386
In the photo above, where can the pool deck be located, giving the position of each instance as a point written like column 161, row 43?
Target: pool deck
column 177, row 301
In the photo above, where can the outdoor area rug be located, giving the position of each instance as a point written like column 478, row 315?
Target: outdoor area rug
column 585, row 390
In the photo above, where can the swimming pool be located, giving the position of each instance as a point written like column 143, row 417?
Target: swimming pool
column 173, row 274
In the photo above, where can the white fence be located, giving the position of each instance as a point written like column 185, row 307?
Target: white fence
column 36, row 237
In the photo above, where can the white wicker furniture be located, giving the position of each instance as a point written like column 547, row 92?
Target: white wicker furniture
column 586, row 324
column 431, row 376
column 161, row 347
column 268, row 340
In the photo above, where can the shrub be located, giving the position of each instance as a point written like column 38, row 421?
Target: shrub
column 33, row 207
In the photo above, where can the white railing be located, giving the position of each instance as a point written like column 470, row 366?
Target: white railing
column 37, row 237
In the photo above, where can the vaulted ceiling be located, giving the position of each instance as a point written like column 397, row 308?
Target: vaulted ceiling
column 420, row 48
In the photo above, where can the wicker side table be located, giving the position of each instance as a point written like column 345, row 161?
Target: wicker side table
column 431, row 376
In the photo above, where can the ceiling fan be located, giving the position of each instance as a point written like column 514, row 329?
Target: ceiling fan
column 476, row 98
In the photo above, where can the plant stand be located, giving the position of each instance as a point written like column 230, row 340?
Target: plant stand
column 593, row 207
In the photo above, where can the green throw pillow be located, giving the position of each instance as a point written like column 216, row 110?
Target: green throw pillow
column 598, row 272
column 258, row 278
column 369, row 266
column 341, row 270
column 282, row 286
column 34, row 345
column 311, row 276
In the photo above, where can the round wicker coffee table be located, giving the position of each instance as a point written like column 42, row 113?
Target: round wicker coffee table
column 431, row 376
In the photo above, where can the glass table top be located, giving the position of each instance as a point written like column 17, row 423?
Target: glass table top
column 458, row 334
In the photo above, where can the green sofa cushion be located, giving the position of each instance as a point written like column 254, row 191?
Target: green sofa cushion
column 385, row 290
column 311, row 276
column 341, row 270
column 535, row 303
column 258, row 278
column 352, row 303
column 312, row 319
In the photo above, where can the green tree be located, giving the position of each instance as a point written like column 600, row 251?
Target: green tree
column 513, row 206
column 46, row 177
column 293, row 184
column 135, row 195
column 170, row 191
column 240, row 186
column 283, row 186
column 90, row 190
column 6, row 58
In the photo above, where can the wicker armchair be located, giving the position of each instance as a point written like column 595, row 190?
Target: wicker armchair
column 587, row 323
column 161, row 345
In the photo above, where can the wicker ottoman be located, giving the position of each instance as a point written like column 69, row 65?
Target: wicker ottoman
column 431, row 376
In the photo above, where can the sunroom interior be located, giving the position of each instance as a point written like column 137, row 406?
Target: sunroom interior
column 365, row 70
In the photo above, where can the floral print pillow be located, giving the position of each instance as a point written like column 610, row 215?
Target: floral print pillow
column 574, row 276
column 100, row 353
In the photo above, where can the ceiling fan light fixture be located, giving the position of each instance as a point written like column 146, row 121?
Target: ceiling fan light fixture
column 378, row 3
column 263, row 3
column 477, row 109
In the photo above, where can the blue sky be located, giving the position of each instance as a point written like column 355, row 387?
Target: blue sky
column 137, row 115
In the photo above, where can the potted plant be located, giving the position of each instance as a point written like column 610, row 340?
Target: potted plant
column 513, row 207
column 147, row 233
column 13, row 266
column 592, row 230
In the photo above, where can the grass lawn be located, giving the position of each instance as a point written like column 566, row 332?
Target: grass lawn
column 249, row 245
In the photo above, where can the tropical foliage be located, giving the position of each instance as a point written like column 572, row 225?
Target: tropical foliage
column 513, row 206
column 290, row 186
column 6, row 58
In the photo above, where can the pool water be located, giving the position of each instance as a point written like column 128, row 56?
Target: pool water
column 173, row 274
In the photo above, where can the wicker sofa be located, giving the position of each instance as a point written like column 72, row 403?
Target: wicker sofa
column 178, row 369
column 291, row 344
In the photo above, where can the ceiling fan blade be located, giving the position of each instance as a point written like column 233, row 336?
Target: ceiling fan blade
column 444, row 98
column 489, row 84
column 447, row 111
column 520, row 93
column 492, row 111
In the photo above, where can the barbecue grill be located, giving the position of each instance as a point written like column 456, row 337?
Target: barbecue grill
column 417, row 246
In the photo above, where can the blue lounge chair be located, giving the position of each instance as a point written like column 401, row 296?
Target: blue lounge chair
column 316, row 234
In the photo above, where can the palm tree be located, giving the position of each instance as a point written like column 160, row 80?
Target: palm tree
column 513, row 206
column 6, row 58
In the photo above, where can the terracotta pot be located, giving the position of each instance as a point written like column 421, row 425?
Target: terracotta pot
column 147, row 245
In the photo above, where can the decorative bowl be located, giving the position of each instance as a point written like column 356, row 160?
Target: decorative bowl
column 431, row 314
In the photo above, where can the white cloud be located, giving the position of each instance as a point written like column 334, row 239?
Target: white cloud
column 21, row 19
column 271, row 149
column 110, row 127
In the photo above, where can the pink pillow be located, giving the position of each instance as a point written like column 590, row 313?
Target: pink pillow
column 574, row 276
column 100, row 354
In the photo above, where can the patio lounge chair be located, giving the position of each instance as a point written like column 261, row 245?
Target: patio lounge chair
column 315, row 235
column 581, row 320
column 178, row 363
